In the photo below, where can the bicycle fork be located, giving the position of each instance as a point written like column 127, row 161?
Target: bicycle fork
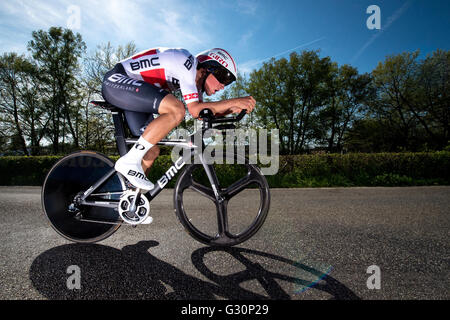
column 212, row 179
column 222, row 218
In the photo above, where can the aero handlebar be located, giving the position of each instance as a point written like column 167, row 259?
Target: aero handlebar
column 208, row 116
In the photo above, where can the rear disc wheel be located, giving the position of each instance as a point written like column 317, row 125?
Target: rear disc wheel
column 70, row 177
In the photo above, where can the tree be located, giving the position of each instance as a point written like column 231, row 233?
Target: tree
column 290, row 95
column 34, row 118
column 57, row 53
column 348, row 90
column 14, row 72
column 394, row 79
column 413, row 97
column 96, row 122
column 433, row 96
column 372, row 135
column 101, row 61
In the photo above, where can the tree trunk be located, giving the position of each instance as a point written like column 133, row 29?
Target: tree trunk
column 23, row 144
column 333, row 126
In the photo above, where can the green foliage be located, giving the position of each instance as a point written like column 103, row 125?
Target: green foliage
column 29, row 171
column 290, row 94
column 411, row 105
column 391, row 179
column 56, row 53
column 20, row 107
column 402, row 105
column 319, row 170
column 359, row 169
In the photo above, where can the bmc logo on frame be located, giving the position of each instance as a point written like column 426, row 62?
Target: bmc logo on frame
column 171, row 172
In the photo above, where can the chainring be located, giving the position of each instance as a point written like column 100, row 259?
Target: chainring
column 142, row 209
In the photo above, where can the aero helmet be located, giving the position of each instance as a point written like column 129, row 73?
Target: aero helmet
column 220, row 63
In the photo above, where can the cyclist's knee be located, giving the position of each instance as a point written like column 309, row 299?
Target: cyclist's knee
column 179, row 114
column 174, row 107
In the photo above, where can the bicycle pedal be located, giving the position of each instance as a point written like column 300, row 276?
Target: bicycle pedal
column 129, row 185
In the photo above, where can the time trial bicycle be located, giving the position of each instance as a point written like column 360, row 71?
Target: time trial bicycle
column 86, row 200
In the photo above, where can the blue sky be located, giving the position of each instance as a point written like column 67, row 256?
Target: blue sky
column 252, row 31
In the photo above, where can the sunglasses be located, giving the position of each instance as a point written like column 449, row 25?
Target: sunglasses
column 222, row 75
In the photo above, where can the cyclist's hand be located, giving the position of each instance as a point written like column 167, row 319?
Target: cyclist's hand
column 247, row 103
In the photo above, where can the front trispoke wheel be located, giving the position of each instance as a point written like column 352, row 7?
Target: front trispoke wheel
column 242, row 184
column 203, row 190
column 233, row 221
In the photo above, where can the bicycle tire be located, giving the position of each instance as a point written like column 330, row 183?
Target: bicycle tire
column 224, row 237
column 71, row 175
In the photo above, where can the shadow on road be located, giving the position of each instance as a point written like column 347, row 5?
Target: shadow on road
column 268, row 280
column 134, row 273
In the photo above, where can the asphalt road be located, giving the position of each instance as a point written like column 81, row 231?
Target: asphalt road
column 315, row 244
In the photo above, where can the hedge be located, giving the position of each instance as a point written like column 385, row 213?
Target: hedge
column 319, row 170
column 363, row 169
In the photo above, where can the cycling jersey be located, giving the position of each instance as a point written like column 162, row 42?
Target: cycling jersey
column 139, row 83
column 166, row 68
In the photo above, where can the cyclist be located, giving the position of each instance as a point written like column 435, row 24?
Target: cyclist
column 141, row 85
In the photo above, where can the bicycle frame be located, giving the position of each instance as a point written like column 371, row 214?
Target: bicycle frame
column 123, row 143
column 75, row 193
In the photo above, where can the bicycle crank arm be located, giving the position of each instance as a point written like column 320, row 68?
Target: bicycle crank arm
column 133, row 207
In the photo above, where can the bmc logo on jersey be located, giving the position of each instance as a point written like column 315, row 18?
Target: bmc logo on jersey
column 145, row 63
column 219, row 59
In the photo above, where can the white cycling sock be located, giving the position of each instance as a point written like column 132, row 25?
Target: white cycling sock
column 138, row 151
column 130, row 165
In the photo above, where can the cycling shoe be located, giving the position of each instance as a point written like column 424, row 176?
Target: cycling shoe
column 134, row 173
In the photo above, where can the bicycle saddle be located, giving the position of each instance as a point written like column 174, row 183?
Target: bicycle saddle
column 105, row 105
